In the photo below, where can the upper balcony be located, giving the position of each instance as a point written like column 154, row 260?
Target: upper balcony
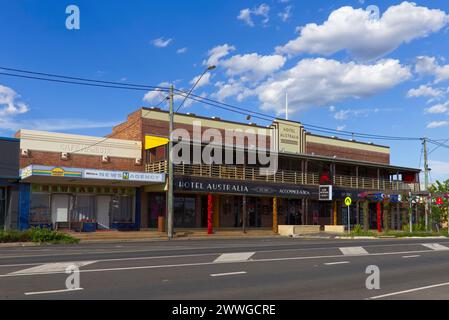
column 240, row 172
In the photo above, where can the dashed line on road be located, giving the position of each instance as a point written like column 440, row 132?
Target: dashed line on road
column 228, row 274
column 413, row 256
column 335, row 263
column 351, row 251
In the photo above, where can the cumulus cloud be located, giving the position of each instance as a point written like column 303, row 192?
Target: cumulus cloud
column 319, row 82
column 161, row 42
column 10, row 104
column 205, row 80
column 246, row 15
column 355, row 31
column 438, row 108
column 218, row 52
column 181, row 50
column 355, row 113
column 429, row 66
column 252, row 66
column 424, row 91
column 437, row 124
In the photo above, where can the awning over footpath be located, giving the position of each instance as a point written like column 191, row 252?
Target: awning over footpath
column 44, row 174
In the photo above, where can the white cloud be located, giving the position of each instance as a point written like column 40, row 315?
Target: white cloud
column 53, row 124
column 205, row 80
column 355, row 31
column 161, row 42
column 438, row 108
column 156, row 96
column 246, row 15
column 429, row 66
column 424, row 91
column 437, row 124
column 318, row 82
column 252, row 66
column 215, row 54
column 182, row 50
column 356, row 113
column 286, row 14
column 9, row 104
column 341, row 128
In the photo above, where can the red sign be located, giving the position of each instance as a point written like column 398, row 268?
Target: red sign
column 439, row 201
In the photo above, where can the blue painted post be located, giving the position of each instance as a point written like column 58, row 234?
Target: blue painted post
column 138, row 209
column 24, row 206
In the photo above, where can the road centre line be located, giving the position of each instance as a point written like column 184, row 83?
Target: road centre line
column 217, row 263
column 410, row 290
column 335, row 263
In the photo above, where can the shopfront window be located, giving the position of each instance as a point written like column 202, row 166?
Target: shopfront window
column 40, row 208
column 84, row 209
column 184, row 209
column 122, row 209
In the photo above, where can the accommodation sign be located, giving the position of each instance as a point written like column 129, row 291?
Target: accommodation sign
column 190, row 184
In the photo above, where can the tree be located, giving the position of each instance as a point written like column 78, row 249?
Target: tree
column 440, row 212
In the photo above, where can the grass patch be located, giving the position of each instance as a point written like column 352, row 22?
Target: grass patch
column 403, row 234
column 37, row 235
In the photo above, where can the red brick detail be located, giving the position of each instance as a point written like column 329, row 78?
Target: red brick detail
column 53, row 159
column 347, row 153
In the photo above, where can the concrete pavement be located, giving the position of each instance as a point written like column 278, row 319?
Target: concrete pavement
column 276, row 268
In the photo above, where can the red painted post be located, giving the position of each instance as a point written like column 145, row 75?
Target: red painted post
column 379, row 218
column 209, row 214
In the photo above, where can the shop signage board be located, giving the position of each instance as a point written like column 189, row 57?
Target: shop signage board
column 192, row 184
column 91, row 174
column 325, row 193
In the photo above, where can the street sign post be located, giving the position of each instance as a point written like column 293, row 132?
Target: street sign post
column 348, row 202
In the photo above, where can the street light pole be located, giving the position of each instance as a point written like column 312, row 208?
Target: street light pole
column 170, row 214
column 170, row 196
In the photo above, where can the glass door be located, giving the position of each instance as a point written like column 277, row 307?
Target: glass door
column 60, row 208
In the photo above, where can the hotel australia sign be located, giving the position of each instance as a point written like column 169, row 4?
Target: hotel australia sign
column 192, row 184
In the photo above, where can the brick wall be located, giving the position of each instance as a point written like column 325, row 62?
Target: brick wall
column 129, row 130
column 347, row 153
column 53, row 159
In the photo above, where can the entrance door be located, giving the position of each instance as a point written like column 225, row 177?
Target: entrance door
column 103, row 212
column 59, row 208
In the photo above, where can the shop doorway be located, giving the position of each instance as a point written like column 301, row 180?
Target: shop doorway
column 103, row 212
column 60, row 208
column 2, row 208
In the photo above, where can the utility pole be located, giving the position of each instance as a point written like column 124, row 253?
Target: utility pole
column 170, row 215
column 426, row 180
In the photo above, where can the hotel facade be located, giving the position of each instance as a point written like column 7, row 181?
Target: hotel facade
column 120, row 181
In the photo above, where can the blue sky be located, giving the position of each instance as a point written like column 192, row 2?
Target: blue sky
column 341, row 67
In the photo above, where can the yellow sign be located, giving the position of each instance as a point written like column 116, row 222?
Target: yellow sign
column 57, row 172
column 154, row 142
column 348, row 201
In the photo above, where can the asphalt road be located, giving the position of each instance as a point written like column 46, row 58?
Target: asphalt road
column 269, row 268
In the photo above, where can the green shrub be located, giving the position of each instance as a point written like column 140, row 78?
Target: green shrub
column 37, row 235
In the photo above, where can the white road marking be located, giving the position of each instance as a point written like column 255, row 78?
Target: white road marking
column 413, row 256
column 52, row 291
column 52, row 267
column 334, row 263
column 411, row 290
column 234, row 257
column 227, row 274
column 350, row 251
column 435, row 246
column 214, row 263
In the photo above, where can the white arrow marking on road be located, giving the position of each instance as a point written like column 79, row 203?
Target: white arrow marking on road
column 233, row 257
column 52, row 267
column 350, row 251
column 435, row 246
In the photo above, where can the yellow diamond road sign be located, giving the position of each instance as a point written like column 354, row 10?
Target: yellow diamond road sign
column 348, row 201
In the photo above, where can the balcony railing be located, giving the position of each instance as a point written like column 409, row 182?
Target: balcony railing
column 282, row 176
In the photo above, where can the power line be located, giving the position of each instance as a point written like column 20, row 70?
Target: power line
column 211, row 102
